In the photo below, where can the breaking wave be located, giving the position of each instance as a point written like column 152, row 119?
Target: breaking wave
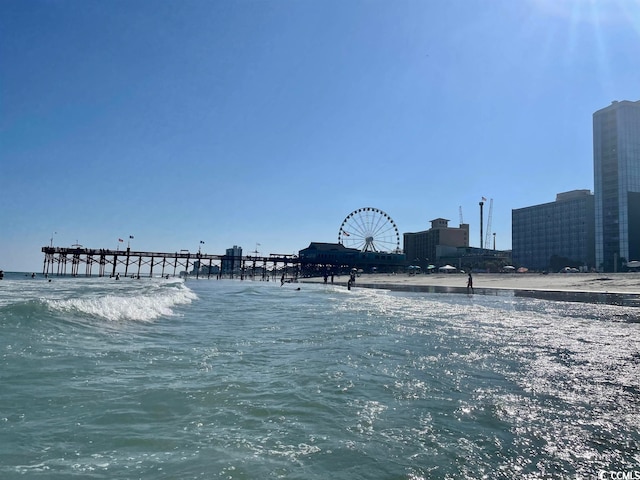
column 143, row 301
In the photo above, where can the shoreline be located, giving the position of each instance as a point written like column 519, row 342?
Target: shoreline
column 607, row 288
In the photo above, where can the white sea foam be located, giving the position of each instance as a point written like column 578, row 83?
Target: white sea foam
column 144, row 306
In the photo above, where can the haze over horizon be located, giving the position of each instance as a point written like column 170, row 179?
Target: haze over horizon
column 265, row 123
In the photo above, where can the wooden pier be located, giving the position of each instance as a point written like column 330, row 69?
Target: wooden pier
column 70, row 261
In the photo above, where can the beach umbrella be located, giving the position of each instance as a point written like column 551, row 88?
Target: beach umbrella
column 447, row 269
column 523, row 270
column 633, row 264
column 509, row 268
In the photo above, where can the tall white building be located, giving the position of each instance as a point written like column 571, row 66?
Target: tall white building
column 616, row 161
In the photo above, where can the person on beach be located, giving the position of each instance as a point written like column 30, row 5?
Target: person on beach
column 470, row 284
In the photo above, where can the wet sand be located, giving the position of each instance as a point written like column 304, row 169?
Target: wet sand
column 611, row 288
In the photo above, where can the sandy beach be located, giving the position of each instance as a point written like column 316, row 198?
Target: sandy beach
column 621, row 288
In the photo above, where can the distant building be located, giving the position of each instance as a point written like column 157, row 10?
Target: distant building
column 474, row 259
column 337, row 256
column 232, row 261
column 328, row 253
column 426, row 247
column 200, row 268
column 616, row 162
column 559, row 232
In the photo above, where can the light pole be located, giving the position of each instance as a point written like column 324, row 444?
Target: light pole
column 52, row 234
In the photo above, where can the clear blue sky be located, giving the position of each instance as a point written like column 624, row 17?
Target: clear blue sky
column 244, row 122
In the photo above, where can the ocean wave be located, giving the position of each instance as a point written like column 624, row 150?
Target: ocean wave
column 24, row 309
column 141, row 306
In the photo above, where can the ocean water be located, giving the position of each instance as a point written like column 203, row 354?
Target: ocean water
column 156, row 378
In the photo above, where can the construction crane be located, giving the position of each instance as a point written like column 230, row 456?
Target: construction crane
column 488, row 237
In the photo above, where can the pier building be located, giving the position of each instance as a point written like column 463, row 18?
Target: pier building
column 319, row 256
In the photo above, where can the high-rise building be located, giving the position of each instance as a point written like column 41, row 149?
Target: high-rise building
column 232, row 261
column 555, row 234
column 616, row 162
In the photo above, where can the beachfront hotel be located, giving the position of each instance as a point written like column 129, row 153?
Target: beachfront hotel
column 616, row 162
column 425, row 247
column 555, row 234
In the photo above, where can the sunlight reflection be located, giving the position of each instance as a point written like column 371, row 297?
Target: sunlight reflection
column 591, row 11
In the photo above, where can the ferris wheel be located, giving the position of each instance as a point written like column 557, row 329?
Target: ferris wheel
column 369, row 230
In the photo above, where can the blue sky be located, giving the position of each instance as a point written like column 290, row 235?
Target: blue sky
column 245, row 122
